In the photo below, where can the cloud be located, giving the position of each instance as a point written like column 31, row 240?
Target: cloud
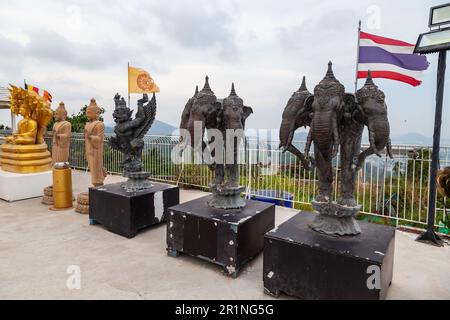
column 49, row 46
column 263, row 46
column 331, row 26
column 198, row 27
column 15, row 53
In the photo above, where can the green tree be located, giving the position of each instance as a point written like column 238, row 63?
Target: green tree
column 78, row 121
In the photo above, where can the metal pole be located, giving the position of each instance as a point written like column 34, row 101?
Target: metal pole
column 128, row 84
column 357, row 55
column 430, row 236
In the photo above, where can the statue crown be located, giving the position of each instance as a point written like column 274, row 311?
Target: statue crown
column 303, row 85
column 329, row 83
column 120, row 102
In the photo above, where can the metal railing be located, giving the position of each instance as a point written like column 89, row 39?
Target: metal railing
column 393, row 190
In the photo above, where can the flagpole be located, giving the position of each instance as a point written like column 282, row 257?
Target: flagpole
column 128, row 84
column 357, row 55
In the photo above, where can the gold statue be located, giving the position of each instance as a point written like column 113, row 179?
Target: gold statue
column 62, row 130
column 94, row 134
column 443, row 182
column 36, row 115
column 26, row 151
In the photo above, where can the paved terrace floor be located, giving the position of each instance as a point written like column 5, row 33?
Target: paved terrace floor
column 37, row 246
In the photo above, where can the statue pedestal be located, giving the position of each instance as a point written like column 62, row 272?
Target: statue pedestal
column 335, row 219
column 306, row 264
column 137, row 181
column 125, row 213
column 32, row 158
column 226, row 198
column 229, row 238
column 19, row 186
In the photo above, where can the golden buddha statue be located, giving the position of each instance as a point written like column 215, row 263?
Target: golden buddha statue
column 27, row 127
column 26, row 151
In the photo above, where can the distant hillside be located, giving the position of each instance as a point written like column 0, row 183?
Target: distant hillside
column 417, row 138
column 412, row 138
column 158, row 128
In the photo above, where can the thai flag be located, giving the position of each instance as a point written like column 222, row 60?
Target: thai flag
column 390, row 59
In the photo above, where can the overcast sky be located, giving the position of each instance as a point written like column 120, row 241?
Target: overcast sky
column 79, row 49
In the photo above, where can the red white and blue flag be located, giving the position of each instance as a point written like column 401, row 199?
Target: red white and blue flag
column 390, row 59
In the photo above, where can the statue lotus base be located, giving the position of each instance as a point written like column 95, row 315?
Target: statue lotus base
column 137, row 181
column 226, row 197
column 32, row 158
column 47, row 199
column 82, row 205
column 335, row 219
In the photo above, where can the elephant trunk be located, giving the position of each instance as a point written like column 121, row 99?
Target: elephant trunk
column 286, row 133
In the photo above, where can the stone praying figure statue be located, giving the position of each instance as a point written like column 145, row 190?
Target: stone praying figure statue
column 62, row 130
column 94, row 134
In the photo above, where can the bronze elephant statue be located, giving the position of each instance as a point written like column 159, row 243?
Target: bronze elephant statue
column 328, row 106
column 329, row 114
column 224, row 120
column 231, row 118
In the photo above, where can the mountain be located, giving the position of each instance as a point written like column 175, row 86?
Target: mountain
column 415, row 138
column 158, row 128
column 161, row 128
column 412, row 138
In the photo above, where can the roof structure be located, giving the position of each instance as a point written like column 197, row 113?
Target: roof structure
column 4, row 98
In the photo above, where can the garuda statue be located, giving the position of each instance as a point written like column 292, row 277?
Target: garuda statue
column 129, row 138
column 25, row 151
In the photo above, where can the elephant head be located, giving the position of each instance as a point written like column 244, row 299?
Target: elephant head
column 231, row 121
column 234, row 113
column 187, row 110
column 372, row 111
column 296, row 114
column 327, row 109
column 327, row 106
column 200, row 110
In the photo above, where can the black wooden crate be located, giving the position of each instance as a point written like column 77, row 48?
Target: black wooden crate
column 306, row 264
column 125, row 213
column 229, row 238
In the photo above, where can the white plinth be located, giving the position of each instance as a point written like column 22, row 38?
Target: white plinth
column 19, row 186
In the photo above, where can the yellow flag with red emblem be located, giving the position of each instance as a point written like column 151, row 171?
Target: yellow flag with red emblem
column 140, row 81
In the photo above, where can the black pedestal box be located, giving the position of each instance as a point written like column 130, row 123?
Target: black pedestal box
column 229, row 238
column 309, row 265
column 125, row 213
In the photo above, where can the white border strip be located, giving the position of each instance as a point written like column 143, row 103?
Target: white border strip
column 389, row 48
column 389, row 67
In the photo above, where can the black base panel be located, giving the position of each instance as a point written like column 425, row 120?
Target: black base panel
column 229, row 238
column 125, row 213
column 306, row 264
